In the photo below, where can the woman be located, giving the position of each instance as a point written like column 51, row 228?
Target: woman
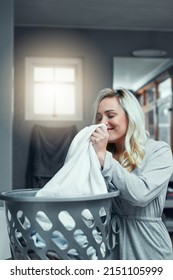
column 140, row 168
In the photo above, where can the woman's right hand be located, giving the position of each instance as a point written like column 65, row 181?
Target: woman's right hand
column 99, row 139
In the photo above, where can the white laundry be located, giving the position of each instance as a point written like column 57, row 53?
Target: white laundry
column 80, row 176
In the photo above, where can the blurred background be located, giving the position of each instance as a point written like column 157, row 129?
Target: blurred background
column 54, row 58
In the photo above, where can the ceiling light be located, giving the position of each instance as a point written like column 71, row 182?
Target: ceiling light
column 149, row 53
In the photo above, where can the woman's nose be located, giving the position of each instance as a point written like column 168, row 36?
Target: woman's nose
column 104, row 121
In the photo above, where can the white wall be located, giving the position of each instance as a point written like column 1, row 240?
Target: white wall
column 6, row 92
column 4, row 239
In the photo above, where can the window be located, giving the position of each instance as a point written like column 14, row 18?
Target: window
column 53, row 89
column 164, row 119
column 165, row 88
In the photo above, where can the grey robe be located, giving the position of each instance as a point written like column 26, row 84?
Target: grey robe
column 143, row 235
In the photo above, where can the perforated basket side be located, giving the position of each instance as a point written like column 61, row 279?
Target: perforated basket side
column 61, row 229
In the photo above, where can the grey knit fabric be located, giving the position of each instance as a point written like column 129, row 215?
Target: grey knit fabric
column 143, row 235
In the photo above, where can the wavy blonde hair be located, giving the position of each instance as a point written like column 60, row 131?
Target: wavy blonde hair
column 136, row 136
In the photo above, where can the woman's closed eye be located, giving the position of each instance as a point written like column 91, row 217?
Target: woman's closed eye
column 110, row 116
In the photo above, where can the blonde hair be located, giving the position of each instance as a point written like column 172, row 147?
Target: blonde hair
column 136, row 136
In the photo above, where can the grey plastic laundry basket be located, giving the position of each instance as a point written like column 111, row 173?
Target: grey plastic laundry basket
column 70, row 228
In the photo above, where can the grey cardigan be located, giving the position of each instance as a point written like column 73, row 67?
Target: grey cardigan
column 143, row 235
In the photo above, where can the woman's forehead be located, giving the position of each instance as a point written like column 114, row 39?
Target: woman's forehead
column 109, row 103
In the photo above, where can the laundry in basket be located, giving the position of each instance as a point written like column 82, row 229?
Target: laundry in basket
column 80, row 176
column 69, row 218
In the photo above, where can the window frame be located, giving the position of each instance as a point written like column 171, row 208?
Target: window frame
column 30, row 63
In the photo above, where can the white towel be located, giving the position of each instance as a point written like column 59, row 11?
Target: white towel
column 80, row 175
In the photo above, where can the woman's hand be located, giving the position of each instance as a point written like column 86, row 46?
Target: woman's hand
column 99, row 140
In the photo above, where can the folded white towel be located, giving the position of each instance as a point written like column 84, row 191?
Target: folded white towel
column 80, row 175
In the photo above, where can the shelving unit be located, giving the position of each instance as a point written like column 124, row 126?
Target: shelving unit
column 169, row 203
column 168, row 217
column 168, row 209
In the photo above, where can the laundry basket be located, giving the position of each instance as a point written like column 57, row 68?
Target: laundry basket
column 63, row 229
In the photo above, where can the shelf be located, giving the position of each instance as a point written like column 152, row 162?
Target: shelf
column 169, row 203
column 168, row 223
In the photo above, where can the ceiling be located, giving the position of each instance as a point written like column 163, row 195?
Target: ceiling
column 99, row 14
column 145, row 15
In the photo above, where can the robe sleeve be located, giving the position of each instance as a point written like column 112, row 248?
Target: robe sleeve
column 144, row 184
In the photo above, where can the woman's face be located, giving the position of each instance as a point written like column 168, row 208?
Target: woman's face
column 113, row 116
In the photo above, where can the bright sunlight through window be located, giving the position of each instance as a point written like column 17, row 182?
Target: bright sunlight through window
column 53, row 89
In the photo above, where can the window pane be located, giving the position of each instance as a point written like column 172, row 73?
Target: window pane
column 43, row 99
column 43, row 74
column 150, row 95
column 165, row 88
column 65, row 99
column 54, row 89
column 150, row 122
column 164, row 120
column 65, row 74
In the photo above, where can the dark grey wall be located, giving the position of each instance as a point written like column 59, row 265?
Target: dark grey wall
column 6, row 88
column 96, row 47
